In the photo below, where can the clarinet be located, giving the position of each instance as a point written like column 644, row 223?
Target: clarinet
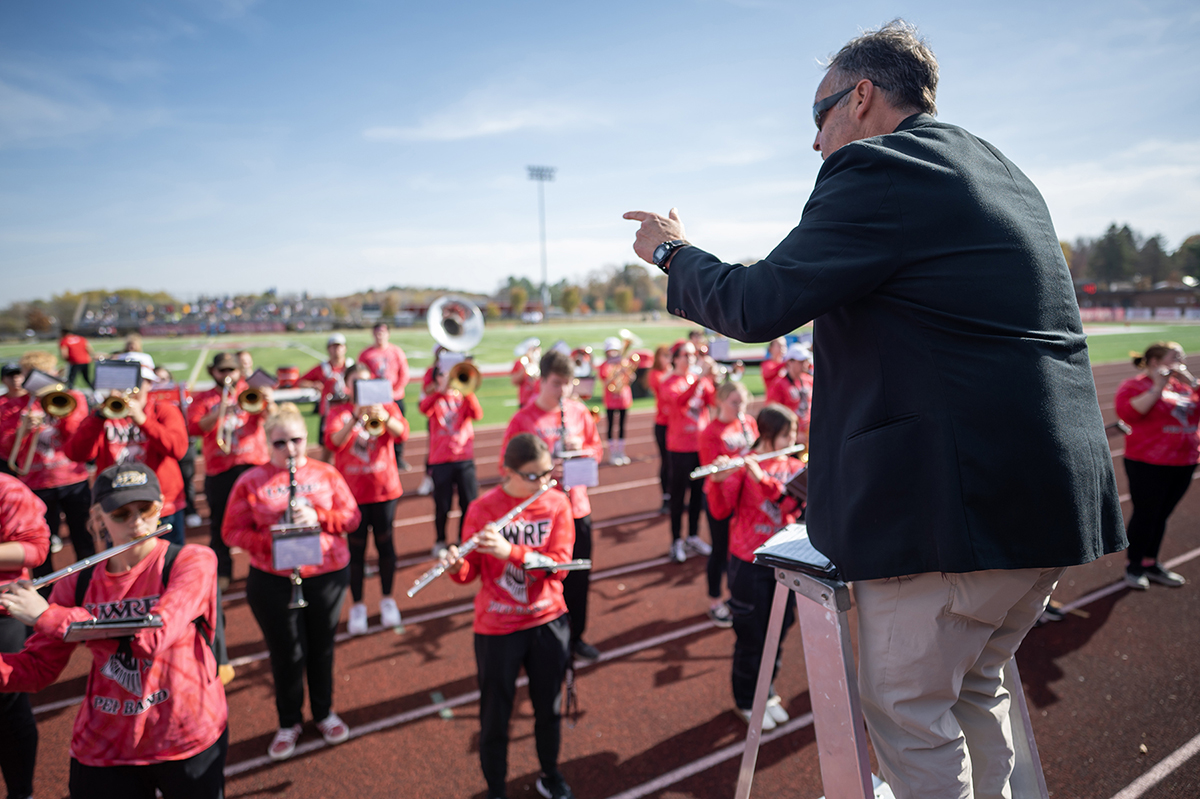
column 470, row 546
column 298, row 601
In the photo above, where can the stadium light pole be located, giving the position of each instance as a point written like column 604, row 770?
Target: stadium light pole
column 542, row 174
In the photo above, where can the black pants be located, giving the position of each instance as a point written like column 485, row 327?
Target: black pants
column 376, row 516
column 1155, row 491
column 499, row 658
column 399, row 445
column 617, row 414
column 18, row 731
column 70, row 503
column 200, row 776
column 682, row 464
column 718, row 530
column 577, row 583
column 299, row 641
column 664, row 458
column 447, row 477
column 187, row 468
column 217, row 488
column 751, row 590
column 81, row 370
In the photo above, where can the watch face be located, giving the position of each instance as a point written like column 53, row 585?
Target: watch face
column 660, row 252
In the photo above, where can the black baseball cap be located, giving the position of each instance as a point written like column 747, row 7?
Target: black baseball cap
column 10, row 369
column 124, row 483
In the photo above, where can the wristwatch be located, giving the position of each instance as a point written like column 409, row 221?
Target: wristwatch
column 662, row 252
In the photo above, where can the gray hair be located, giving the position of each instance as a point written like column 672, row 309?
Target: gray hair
column 894, row 57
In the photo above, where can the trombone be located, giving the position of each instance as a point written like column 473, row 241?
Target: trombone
column 57, row 402
column 252, row 400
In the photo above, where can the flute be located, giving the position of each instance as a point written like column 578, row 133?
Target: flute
column 99, row 557
column 440, row 569
column 705, row 471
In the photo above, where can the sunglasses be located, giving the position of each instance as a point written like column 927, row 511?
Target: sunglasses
column 283, row 442
column 535, row 477
column 125, row 513
column 822, row 106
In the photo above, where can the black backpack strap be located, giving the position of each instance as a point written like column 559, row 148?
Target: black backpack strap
column 81, row 585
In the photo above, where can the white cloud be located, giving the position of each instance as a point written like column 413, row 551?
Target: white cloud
column 488, row 114
column 1154, row 186
column 26, row 117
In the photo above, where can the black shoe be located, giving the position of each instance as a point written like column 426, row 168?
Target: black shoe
column 1157, row 574
column 585, row 653
column 554, row 787
column 403, row 466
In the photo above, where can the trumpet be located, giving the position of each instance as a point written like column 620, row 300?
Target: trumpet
column 223, row 442
column 375, row 425
column 252, row 400
column 57, row 402
column 464, row 377
column 729, row 374
column 116, row 406
column 705, row 471
column 470, row 546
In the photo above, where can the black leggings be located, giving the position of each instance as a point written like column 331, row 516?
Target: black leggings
column 542, row 651
column 446, row 478
column 682, row 464
column 1155, row 491
column 751, row 591
column 70, row 502
column 619, row 415
column 378, row 517
column 18, row 731
column 718, row 530
column 300, row 641
column 217, row 488
column 201, row 776
column 664, row 458
column 577, row 583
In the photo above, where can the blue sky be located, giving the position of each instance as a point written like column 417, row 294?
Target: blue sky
column 235, row 145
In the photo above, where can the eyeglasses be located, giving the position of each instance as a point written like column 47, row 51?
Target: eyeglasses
column 283, row 442
column 535, row 477
column 822, row 106
column 123, row 514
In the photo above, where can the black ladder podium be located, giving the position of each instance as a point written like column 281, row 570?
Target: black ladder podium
column 822, row 601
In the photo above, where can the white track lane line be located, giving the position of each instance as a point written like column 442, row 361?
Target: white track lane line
column 1162, row 769
column 191, row 381
column 463, row 699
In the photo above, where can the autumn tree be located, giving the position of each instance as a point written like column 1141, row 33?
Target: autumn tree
column 518, row 296
column 571, row 297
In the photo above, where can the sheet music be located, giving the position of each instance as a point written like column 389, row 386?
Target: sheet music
column 791, row 544
column 581, row 472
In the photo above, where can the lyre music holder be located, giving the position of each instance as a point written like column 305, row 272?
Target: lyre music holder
column 822, row 601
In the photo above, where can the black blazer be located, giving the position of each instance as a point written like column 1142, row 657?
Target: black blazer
column 955, row 425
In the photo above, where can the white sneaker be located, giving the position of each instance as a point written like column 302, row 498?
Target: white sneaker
column 389, row 614
column 193, row 520
column 768, row 722
column 284, row 743
column 426, row 487
column 677, row 552
column 333, row 729
column 775, row 711
column 358, row 619
column 699, row 545
column 56, row 544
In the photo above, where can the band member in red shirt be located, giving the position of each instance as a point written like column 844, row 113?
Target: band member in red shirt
column 328, row 377
column 77, row 352
column 242, row 435
column 59, row 482
column 155, row 715
column 368, row 464
column 618, row 397
column 687, row 394
column 300, row 640
column 524, row 372
column 566, row 425
column 519, row 614
column 24, row 543
column 773, row 365
column 154, row 433
column 755, row 496
column 1162, row 408
column 793, row 389
column 658, row 372
column 451, row 451
column 178, row 394
column 387, row 361
column 731, row 434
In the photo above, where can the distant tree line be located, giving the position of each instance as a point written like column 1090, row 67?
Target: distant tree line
column 1122, row 255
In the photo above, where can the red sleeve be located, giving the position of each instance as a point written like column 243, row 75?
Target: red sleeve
column 394, row 412
column 710, row 443
column 403, row 376
column 45, row 654
column 473, row 408
column 199, row 409
column 427, row 402
column 1127, row 391
column 23, row 520
column 187, row 597
column 315, row 374
column 723, row 496
column 472, row 523
column 337, row 419
column 239, row 529
column 344, row 516
column 84, row 444
column 591, row 436
column 165, row 426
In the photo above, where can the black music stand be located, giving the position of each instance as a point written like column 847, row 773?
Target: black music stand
column 822, row 601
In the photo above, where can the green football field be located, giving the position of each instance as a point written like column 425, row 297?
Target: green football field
column 187, row 357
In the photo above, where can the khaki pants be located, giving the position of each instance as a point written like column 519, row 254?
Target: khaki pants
column 931, row 652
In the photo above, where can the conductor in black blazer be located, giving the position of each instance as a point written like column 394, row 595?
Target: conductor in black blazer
column 956, row 438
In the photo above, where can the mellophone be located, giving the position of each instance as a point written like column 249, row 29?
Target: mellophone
column 100, row 628
column 533, row 560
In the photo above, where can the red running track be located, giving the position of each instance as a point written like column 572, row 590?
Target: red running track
column 1112, row 688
